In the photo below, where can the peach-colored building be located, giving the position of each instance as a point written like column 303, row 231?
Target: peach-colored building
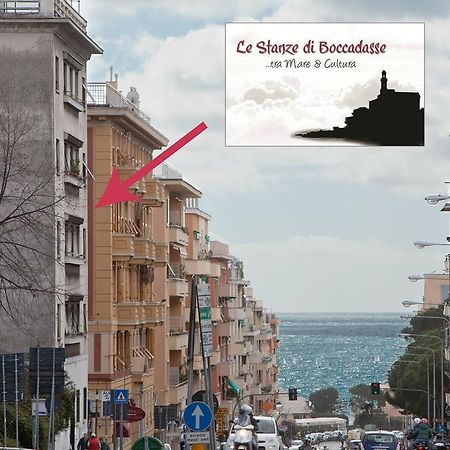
column 124, row 311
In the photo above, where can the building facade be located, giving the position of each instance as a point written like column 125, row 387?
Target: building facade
column 44, row 51
column 125, row 311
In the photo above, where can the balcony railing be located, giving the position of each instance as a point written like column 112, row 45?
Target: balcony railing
column 19, row 7
column 57, row 8
column 103, row 94
column 177, row 325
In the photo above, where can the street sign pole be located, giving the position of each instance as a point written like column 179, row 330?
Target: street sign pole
column 121, row 426
column 4, row 402
column 113, row 405
column 191, row 344
column 36, row 429
column 16, row 375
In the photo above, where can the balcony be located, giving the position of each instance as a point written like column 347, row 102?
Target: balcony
column 125, row 172
column 236, row 313
column 154, row 312
column 226, row 291
column 225, row 329
column 244, row 369
column 128, row 313
column 176, row 324
column 198, row 267
column 178, row 235
column 224, row 369
column 161, row 252
column 248, row 347
column 178, row 288
column 144, row 250
column 215, row 270
column 240, row 383
column 104, row 94
column 74, row 179
column 254, row 358
column 265, row 333
column 276, row 369
column 178, row 393
column 216, row 314
column 123, row 246
column 250, row 331
column 265, row 363
column 215, row 358
column 141, row 363
column 154, row 195
column 178, row 341
column 236, row 349
column 254, row 390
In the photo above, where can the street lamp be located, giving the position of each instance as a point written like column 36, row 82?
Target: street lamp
column 408, row 303
column 423, row 244
column 434, row 199
column 434, row 365
column 445, row 319
column 415, row 278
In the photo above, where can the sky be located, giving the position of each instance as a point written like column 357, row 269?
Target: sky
column 319, row 229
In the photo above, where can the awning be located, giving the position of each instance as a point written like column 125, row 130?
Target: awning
column 180, row 249
column 233, row 386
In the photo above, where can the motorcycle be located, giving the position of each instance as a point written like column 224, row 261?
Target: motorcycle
column 421, row 445
column 243, row 437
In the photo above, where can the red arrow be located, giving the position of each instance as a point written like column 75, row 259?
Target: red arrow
column 116, row 191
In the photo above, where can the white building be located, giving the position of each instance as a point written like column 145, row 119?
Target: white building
column 43, row 55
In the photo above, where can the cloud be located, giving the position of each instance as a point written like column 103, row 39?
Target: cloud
column 273, row 90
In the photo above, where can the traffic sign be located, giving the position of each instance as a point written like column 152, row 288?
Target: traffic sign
column 120, row 396
column 197, row 416
column 135, row 414
column 106, row 396
column 198, row 437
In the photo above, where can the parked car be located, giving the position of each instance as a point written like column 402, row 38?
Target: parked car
column 380, row 440
column 268, row 436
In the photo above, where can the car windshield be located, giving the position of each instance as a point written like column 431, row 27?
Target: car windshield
column 379, row 438
column 265, row 426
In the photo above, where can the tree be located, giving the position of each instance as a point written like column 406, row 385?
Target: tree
column 412, row 376
column 324, row 401
column 28, row 205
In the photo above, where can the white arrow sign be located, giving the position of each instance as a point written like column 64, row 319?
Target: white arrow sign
column 198, row 414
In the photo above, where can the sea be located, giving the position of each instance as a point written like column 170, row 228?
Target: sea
column 341, row 350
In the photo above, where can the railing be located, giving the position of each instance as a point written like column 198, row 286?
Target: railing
column 65, row 10
column 59, row 8
column 176, row 325
column 166, row 171
column 175, row 270
column 103, row 94
column 20, row 7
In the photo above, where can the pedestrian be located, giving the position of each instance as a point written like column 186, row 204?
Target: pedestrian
column 103, row 444
column 93, row 443
column 83, row 442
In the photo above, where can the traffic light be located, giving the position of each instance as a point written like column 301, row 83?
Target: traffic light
column 292, row 393
column 375, row 388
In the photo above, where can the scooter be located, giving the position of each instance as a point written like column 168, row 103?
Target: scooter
column 421, row 445
column 243, row 437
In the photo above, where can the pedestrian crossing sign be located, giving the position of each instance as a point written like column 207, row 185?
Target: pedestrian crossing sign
column 120, row 396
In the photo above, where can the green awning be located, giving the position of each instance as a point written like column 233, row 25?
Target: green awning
column 233, row 386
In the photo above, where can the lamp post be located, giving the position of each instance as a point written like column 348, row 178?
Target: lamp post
column 434, row 365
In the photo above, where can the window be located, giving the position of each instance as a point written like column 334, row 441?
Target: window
column 71, row 158
column 58, row 239
column 57, row 74
column 72, row 69
column 73, row 317
column 57, row 158
column 77, row 405
column 58, row 320
column 73, row 229
column 85, row 403
column 84, row 242
column 83, row 90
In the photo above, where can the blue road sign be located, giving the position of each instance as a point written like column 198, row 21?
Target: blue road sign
column 120, row 396
column 197, row 416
